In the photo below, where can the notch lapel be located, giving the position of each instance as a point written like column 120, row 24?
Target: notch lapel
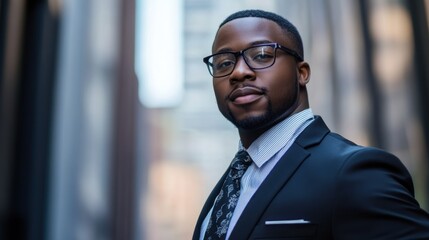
column 279, row 176
column 208, row 205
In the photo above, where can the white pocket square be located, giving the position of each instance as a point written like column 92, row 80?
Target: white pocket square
column 293, row 221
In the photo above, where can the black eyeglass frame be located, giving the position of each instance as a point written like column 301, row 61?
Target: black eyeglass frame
column 240, row 53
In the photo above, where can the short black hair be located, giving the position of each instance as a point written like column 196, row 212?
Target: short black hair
column 289, row 29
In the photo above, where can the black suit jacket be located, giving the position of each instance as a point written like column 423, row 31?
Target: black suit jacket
column 345, row 191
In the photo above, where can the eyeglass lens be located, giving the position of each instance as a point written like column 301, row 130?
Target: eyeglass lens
column 257, row 57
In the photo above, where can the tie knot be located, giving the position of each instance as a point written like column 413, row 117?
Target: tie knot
column 241, row 160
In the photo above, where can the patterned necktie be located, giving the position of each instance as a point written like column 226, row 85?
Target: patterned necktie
column 227, row 199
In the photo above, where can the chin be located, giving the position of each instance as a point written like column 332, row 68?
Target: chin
column 253, row 123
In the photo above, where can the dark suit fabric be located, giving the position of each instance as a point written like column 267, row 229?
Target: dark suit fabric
column 345, row 191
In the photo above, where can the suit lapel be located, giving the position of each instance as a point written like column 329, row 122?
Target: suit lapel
column 208, row 205
column 279, row 176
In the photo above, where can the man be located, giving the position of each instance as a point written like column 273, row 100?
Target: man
column 295, row 179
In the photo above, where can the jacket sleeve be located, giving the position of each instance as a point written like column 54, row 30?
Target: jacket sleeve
column 375, row 199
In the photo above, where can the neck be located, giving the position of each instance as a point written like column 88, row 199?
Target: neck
column 248, row 136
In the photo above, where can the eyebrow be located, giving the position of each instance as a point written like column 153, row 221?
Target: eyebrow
column 255, row 43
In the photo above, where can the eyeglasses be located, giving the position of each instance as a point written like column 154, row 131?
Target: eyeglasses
column 256, row 57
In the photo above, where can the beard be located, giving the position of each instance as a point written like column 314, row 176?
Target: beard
column 253, row 122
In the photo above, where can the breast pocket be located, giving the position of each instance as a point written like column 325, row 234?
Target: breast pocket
column 286, row 231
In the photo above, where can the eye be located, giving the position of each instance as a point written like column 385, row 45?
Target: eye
column 261, row 54
column 262, row 57
column 223, row 61
column 224, row 64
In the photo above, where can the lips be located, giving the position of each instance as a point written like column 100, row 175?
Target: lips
column 245, row 95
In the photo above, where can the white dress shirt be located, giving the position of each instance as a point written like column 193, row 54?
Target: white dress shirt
column 265, row 152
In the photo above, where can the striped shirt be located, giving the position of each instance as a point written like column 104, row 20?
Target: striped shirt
column 265, row 152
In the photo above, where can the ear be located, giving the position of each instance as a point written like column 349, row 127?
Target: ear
column 304, row 73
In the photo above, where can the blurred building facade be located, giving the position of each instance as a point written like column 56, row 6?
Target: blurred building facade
column 82, row 158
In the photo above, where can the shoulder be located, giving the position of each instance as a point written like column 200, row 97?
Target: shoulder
column 318, row 139
column 366, row 164
column 359, row 170
column 352, row 162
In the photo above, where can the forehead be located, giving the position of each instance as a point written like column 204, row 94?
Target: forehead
column 244, row 32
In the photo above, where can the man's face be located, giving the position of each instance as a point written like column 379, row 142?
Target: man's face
column 256, row 99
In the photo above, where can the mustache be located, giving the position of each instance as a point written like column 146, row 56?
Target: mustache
column 249, row 87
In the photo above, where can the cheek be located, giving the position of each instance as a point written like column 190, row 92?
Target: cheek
column 217, row 89
column 220, row 92
column 280, row 95
column 283, row 86
column 283, row 92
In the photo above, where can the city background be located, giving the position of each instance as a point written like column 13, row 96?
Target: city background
column 109, row 127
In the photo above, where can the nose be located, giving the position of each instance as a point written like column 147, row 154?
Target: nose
column 241, row 71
